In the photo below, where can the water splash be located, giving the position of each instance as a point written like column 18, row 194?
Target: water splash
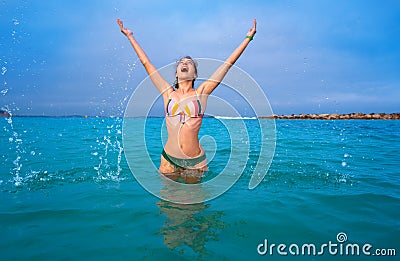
column 131, row 69
column 3, row 72
column 16, row 144
column 108, row 147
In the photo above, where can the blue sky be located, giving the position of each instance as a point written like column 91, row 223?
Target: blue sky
column 68, row 57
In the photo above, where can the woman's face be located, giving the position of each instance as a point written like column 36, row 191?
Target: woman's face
column 186, row 69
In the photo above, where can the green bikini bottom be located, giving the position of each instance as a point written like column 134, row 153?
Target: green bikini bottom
column 183, row 163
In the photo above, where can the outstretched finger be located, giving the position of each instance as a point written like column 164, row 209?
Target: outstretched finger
column 255, row 24
column 121, row 25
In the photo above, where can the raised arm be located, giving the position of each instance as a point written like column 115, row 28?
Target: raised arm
column 162, row 85
column 208, row 86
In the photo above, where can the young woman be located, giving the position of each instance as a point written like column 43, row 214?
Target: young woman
column 184, row 107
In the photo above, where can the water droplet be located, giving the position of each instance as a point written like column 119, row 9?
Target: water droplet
column 15, row 21
column 3, row 70
column 33, row 153
column 4, row 91
column 344, row 164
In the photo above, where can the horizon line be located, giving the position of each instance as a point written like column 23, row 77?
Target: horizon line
column 5, row 114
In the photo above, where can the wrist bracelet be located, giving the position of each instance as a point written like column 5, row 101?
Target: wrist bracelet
column 250, row 37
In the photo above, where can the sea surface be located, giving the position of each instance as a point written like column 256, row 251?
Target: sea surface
column 67, row 193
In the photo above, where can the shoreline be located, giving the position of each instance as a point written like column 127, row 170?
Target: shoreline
column 335, row 116
column 315, row 116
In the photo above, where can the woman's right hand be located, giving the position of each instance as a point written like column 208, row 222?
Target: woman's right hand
column 252, row 31
column 124, row 30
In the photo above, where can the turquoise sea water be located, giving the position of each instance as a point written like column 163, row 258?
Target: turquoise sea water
column 67, row 193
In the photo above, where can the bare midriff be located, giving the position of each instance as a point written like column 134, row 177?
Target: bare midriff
column 183, row 140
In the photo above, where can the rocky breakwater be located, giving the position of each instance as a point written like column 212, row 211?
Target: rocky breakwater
column 349, row 116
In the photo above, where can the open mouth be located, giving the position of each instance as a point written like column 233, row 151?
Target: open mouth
column 184, row 69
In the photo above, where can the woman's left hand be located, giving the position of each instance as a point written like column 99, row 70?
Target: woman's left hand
column 252, row 31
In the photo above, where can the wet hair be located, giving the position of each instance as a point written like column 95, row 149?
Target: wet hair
column 176, row 84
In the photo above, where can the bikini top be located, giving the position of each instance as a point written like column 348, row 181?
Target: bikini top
column 185, row 108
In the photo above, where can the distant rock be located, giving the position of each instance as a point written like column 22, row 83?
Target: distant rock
column 4, row 113
column 349, row 116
